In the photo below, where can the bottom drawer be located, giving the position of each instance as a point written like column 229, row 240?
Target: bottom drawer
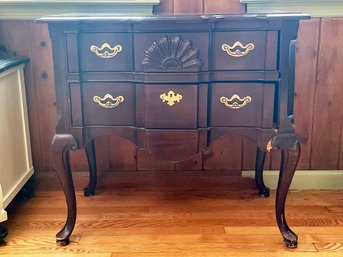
column 242, row 105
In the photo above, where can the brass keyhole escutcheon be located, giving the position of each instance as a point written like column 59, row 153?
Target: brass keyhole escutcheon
column 171, row 98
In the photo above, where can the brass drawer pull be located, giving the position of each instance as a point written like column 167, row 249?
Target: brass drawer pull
column 240, row 51
column 106, row 51
column 108, row 101
column 235, row 102
column 171, row 98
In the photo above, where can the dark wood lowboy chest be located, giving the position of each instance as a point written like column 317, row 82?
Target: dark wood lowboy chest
column 172, row 85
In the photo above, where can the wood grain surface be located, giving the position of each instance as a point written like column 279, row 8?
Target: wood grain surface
column 192, row 214
column 328, row 110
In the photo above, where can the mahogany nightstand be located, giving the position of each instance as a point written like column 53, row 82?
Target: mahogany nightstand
column 173, row 85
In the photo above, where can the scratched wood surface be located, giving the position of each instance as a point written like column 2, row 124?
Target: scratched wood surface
column 318, row 108
column 170, row 215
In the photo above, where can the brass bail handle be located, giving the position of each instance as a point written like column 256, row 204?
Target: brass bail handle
column 241, row 50
column 235, row 102
column 106, row 51
column 108, row 101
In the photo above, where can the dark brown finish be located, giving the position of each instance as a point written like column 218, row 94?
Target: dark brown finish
column 145, row 162
column 257, row 113
column 124, row 157
column 90, row 62
column 60, row 147
column 95, row 115
column 160, row 100
column 289, row 159
column 158, row 114
column 91, row 159
column 260, row 157
column 175, row 52
column 256, row 60
column 169, row 54
column 25, row 38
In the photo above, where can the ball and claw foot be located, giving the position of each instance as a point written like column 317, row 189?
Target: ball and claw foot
column 290, row 240
column 88, row 192
column 290, row 243
column 62, row 242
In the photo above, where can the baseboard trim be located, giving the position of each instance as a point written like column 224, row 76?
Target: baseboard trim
column 304, row 179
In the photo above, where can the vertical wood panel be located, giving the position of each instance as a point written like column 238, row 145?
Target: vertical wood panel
column 165, row 6
column 305, row 78
column 15, row 36
column 223, row 6
column 188, row 7
column 328, row 110
column 45, row 90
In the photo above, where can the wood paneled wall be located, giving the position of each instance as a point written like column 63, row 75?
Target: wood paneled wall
column 318, row 102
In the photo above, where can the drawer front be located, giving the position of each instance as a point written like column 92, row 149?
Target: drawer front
column 105, row 51
column 242, row 105
column 171, row 51
column 248, row 50
column 168, row 106
column 108, row 104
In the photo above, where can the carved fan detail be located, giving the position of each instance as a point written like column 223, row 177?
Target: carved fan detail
column 172, row 53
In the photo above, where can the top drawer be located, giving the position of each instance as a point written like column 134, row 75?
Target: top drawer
column 105, row 51
column 244, row 50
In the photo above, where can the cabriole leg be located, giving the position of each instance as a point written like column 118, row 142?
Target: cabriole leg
column 259, row 164
column 60, row 147
column 91, row 158
column 289, row 160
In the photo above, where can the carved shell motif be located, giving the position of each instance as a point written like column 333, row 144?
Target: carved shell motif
column 172, row 53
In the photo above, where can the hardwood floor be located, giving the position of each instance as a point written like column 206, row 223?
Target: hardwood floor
column 192, row 214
